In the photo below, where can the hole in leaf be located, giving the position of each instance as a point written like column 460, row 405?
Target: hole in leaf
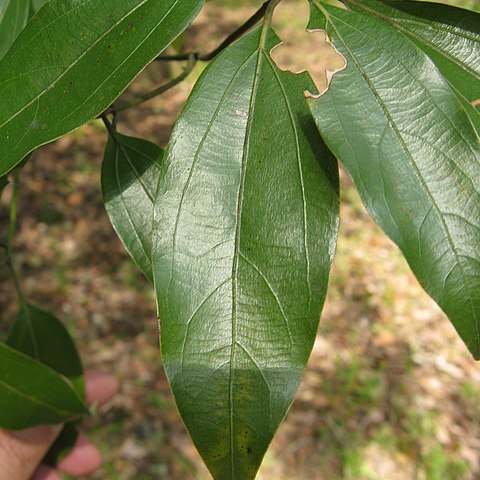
column 305, row 50
column 476, row 103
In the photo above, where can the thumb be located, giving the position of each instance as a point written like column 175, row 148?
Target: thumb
column 22, row 451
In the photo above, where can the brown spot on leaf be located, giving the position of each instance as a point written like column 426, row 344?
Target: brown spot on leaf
column 476, row 103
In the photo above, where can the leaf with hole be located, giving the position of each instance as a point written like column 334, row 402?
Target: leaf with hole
column 245, row 227
column 129, row 181
column 49, row 85
column 413, row 153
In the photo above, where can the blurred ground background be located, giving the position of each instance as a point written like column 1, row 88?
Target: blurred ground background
column 390, row 392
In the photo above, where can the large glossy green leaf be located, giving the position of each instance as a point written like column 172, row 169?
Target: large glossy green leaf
column 13, row 17
column 129, row 181
column 42, row 336
column 73, row 59
column 245, row 226
column 413, row 153
column 32, row 393
column 449, row 35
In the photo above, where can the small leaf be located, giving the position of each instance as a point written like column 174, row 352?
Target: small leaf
column 3, row 182
column 129, row 181
column 42, row 336
column 449, row 36
column 73, row 60
column 13, row 17
column 32, row 393
column 413, row 152
column 245, row 227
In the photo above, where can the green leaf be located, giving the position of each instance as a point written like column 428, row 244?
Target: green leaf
column 449, row 36
column 73, row 59
column 13, row 17
column 32, row 393
column 36, row 5
column 42, row 336
column 129, row 181
column 63, row 444
column 412, row 151
column 244, row 233
column 3, row 183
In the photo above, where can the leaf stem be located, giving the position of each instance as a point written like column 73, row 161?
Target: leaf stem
column 16, row 281
column 11, row 235
column 13, row 213
column 108, row 125
column 192, row 61
column 265, row 12
column 250, row 23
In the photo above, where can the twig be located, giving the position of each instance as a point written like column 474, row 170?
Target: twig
column 10, row 237
column 13, row 213
column 111, row 130
column 249, row 24
column 192, row 61
column 265, row 10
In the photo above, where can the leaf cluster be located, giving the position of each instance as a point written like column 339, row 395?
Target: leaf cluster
column 235, row 223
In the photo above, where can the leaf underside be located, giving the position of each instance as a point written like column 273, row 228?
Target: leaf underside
column 130, row 173
column 449, row 36
column 412, row 150
column 49, row 85
column 245, row 226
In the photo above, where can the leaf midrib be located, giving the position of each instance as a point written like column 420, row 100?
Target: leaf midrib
column 35, row 400
column 122, row 199
column 238, row 227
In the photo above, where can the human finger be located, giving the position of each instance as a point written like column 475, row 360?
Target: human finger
column 84, row 458
column 100, row 387
column 22, row 451
column 45, row 473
